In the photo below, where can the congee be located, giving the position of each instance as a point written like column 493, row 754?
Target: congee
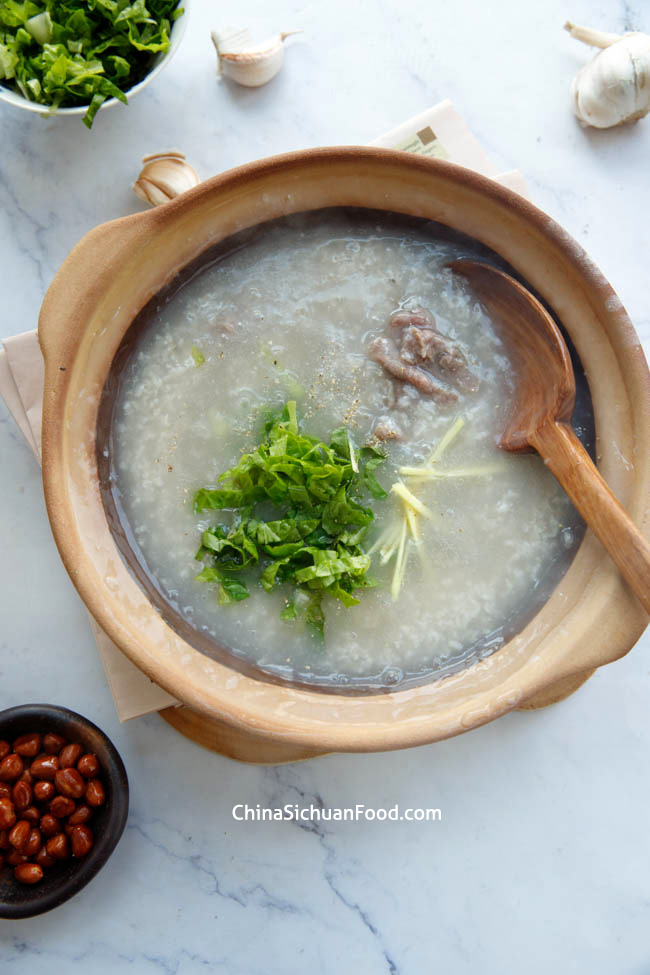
column 303, row 452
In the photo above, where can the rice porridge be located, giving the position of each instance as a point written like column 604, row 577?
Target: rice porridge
column 355, row 317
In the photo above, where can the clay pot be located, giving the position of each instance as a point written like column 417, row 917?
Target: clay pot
column 589, row 620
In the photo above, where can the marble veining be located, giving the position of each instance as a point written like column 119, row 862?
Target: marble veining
column 540, row 859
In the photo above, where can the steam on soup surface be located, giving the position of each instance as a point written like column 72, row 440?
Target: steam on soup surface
column 356, row 318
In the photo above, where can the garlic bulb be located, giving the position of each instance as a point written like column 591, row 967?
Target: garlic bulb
column 247, row 63
column 615, row 86
column 164, row 176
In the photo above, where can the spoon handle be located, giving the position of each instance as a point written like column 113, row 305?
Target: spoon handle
column 567, row 459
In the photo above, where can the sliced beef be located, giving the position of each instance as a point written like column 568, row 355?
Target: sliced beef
column 419, row 349
column 385, row 352
column 428, row 347
column 420, row 345
column 418, row 316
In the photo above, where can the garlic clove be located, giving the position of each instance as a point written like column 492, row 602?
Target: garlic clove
column 614, row 87
column 231, row 39
column 164, row 176
column 244, row 62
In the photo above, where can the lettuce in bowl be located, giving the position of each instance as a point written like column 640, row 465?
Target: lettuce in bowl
column 79, row 53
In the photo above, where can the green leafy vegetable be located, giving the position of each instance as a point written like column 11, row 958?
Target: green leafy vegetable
column 371, row 459
column 81, row 52
column 198, row 356
column 230, row 590
column 313, row 540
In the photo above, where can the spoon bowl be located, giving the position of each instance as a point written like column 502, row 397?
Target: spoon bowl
column 541, row 412
column 545, row 381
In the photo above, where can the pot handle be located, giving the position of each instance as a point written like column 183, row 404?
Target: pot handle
column 81, row 280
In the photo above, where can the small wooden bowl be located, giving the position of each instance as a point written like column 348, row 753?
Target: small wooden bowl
column 64, row 880
column 590, row 619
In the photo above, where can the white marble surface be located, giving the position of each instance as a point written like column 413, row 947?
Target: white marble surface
column 541, row 859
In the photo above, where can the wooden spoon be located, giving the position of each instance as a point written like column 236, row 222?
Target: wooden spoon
column 542, row 407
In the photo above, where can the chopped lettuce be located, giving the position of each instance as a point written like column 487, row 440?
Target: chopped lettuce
column 63, row 53
column 198, row 356
column 313, row 541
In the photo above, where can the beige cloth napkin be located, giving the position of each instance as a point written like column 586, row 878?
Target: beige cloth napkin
column 441, row 132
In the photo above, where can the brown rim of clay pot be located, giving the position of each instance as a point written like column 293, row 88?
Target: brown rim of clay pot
column 589, row 620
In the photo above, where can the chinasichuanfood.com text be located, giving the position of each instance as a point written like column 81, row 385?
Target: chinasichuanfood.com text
column 244, row 812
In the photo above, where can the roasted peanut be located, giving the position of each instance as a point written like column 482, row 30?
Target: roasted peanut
column 88, row 765
column 61, row 806
column 49, row 825
column 58, row 847
column 21, row 795
column 69, row 783
column 46, row 771
column 7, row 814
column 28, row 745
column 11, row 768
column 31, row 814
column 70, row 755
column 44, row 767
column 52, row 743
column 81, row 840
column 44, row 859
column 80, row 816
column 33, row 844
column 28, row 873
column 19, row 834
column 44, row 790
column 95, row 795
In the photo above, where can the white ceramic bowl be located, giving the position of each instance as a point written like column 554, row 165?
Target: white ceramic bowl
column 175, row 37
